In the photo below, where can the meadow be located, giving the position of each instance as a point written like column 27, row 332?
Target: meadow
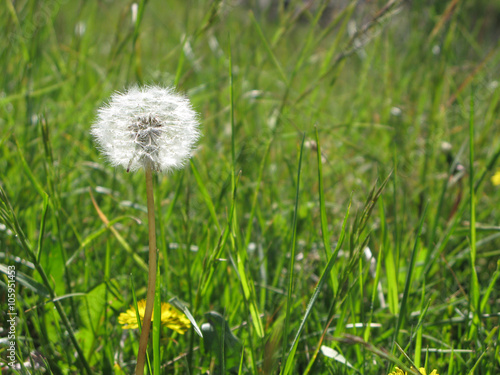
column 340, row 214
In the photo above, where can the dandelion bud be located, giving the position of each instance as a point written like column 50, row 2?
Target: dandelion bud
column 148, row 127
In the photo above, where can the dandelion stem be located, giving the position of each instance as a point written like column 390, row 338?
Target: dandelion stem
column 146, row 325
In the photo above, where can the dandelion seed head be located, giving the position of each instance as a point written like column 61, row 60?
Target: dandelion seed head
column 147, row 127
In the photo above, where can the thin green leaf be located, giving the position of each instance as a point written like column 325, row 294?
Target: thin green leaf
column 174, row 301
column 268, row 48
column 404, row 301
column 292, row 261
column 206, row 196
column 38, row 251
column 26, row 281
column 324, row 275
column 474, row 283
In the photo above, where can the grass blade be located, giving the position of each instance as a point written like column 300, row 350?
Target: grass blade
column 271, row 54
column 156, row 328
column 324, row 223
column 174, row 301
column 256, row 194
column 474, row 287
column 7, row 212
column 140, row 262
column 206, row 195
column 292, row 257
column 324, row 275
column 406, row 292
column 38, row 251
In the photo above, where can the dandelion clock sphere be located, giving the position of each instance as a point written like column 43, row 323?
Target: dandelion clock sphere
column 149, row 127
column 154, row 129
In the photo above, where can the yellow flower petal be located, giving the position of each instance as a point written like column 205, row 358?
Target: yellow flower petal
column 397, row 371
column 174, row 319
column 128, row 318
column 495, row 180
column 170, row 317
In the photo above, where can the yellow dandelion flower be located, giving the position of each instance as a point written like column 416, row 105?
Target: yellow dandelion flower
column 398, row 371
column 170, row 317
column 118, row 369
column 495, row 180
column 423, row 372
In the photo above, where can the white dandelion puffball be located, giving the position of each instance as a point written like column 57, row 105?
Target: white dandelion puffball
column 147, row 127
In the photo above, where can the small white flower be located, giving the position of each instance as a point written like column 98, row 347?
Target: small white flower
column 395, row 111
column 80, row 28
column 134, row 9
column 148, row 127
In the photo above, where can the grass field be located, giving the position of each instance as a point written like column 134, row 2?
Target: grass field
column 338, row 216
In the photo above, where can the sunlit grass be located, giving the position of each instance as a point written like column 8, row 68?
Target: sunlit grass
column 323, row 224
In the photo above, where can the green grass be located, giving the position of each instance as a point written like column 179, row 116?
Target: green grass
column 319, row 142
